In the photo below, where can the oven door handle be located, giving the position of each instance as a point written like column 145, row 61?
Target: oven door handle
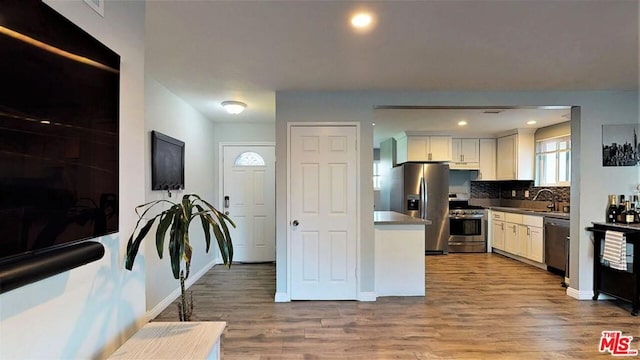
column 463, row 217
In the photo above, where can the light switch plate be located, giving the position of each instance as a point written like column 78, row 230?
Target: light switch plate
column 526, row 193
column 513, row 193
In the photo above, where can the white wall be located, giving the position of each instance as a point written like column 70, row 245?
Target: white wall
column 590, row 184
column 88, row 311
column 170, row 115
column 460, row 181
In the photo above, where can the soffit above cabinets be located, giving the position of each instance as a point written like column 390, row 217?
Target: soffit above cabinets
column 481, row 121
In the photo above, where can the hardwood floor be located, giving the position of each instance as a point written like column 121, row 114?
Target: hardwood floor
column 477, row 306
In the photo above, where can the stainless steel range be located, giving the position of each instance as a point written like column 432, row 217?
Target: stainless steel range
column 467, row 227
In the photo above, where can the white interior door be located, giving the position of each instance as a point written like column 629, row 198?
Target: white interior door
column 249, row 198
column 323, row 204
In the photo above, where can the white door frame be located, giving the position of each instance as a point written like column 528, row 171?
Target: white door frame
column 287, row 297
column 221, row 146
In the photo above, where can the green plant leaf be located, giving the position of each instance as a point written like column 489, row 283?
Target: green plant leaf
column 205, row 227
column 217, row 212
column 225, row 251
column 177, row 220
column 188, row 252
column 134, row 245
column 165, row 220
column 176, row 244
column 187, row 206
column 227, row 236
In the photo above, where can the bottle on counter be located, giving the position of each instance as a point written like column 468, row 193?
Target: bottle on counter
column 636, row 215
column 628, row 214
column 621, row 209
column 612, row 211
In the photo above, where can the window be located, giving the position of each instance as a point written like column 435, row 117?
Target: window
column 553, row 161
column 249, row 158
column 376, row 175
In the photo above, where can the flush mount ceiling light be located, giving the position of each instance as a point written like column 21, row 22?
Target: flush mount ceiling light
column 361, row 20
column 462, row 123
column 531, row 122
column 234, row 107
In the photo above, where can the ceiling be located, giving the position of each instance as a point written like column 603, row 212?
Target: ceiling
column 209, row 51
column 480, row 122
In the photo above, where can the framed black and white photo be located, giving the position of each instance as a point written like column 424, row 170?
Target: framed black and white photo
column 620, row 145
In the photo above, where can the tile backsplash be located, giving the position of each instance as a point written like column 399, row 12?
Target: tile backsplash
column 503, row 190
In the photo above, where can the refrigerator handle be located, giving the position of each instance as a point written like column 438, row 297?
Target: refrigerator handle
column 423, row 198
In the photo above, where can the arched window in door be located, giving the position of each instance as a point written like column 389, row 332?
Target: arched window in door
column 249, row 158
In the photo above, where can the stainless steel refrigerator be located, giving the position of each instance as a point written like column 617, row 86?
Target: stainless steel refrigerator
column 421, row 190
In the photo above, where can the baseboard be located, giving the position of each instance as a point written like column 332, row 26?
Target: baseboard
column 175, row 293
column 586, row 294
column 282, row 297
column 579, row 294
column 367, row 296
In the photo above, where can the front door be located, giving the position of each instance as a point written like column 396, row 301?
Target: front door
column 249, row 198
column 323, row 212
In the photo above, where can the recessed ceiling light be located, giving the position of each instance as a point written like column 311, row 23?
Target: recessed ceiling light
column 373, row 124
column 45, row 122
column 234, row 107
column 462, row 123
column 531, row 122
column 361, row 20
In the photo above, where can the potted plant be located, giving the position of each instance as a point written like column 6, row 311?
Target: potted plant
column 176, row 219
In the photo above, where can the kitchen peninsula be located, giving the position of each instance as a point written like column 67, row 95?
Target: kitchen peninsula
column 399, row 254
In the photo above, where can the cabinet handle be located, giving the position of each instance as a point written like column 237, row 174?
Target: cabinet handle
column 528, row 231
column 502, row 226
column 429, row 156
column 462, row 157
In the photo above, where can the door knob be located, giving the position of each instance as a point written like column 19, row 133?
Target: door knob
column 295, row 223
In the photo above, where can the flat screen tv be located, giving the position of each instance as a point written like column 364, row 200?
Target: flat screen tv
column 59, row 113
column 167, row 162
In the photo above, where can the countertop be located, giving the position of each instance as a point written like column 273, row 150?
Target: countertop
column 395, row 218
column 635, row 227
column 553, row 214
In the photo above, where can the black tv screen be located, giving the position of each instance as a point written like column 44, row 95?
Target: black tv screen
column 59, row 111
column 167, row 162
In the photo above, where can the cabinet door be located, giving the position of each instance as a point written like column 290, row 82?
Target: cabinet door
column 470, row 150
column 456, row 150
column 497, row 235
column 440, row 148
column 523, row 241
column 417, row 148
column 487, row 159
column 506, row 158
column 465, row 154
column 536, row 244
column 511, row 238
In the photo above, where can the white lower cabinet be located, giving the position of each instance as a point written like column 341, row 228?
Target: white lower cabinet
column 536, row 244
column 519, row 235
column 511, row 238
column 497, row 235
column 497, row 230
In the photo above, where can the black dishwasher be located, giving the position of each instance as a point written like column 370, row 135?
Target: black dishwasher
column 556, row 232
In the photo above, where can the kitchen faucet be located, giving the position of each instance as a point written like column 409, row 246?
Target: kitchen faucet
column 552, row 206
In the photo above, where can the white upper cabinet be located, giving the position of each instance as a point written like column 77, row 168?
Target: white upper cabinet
column 515, row 157
column 487, row 169
column 466, row 154
column 423, row 148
